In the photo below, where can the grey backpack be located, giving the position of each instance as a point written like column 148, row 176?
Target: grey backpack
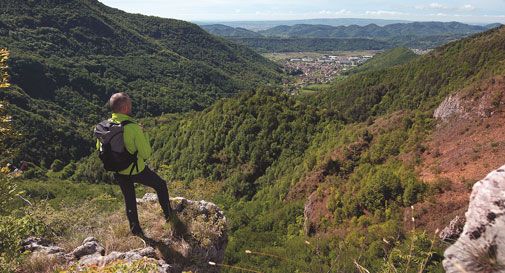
column 113, row 153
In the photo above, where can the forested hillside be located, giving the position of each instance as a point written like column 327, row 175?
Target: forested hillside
column 390, row 58
column 68, row 57
column 340, row 167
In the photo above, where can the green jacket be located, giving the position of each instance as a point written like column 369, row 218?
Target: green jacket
column 135, row 140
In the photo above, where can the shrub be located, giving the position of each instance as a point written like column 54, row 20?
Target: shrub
column 12, row 231
column 57, row 165
column 7, row 193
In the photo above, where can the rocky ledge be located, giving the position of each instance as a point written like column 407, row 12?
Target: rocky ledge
column 204, row 241
column 481, row 245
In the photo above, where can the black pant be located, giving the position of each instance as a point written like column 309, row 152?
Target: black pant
column 146, row 177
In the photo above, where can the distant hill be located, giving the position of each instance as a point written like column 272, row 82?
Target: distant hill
column 393, row 57
column 262, row 25
column 68, row 57
column 226, row 31
column 264, row 45
column 372, row 36
column 419, row 29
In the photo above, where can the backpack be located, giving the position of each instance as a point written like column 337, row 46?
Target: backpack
column 113, row 153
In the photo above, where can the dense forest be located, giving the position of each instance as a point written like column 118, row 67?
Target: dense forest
column 68, row 57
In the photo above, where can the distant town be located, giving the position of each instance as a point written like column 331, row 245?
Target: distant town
column 323, row 69
column 312, row 68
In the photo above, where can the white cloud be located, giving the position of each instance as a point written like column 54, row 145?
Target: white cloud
column 338, row 12
column 433, row 6
column 437, row 6
column 383, row 12
column 467, row 7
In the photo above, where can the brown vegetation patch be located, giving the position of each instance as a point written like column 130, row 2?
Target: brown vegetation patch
column 462, row 149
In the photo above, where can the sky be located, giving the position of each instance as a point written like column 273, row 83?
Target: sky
column 469, row 11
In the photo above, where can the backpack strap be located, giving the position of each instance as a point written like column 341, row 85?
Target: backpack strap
column 125, row 122
column 135, row 164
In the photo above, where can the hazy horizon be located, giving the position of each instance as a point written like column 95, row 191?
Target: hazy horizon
column 475, row 12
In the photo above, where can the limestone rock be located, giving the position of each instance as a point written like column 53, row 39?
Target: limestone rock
column 449, row 107
column 90, row 246
column 147, row 198
column 206, row 236
column 481, row 246
column 451, row 232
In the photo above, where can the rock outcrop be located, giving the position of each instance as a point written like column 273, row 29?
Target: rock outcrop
column 449, row 107
column 204, row 240
column 92, row 253
column 481, row 245
column 452, row 232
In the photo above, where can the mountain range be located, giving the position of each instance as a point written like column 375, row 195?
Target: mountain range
column 263, row 25
column 416, row 34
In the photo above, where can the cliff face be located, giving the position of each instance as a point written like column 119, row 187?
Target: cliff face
column 481, row 245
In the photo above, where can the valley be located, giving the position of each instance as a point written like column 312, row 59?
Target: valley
column 310, row 68
column 312, row 148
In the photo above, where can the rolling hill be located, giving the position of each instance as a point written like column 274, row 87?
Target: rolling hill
column 324, row 37
column 226, row 31
column 263, row 25
column 68, row 57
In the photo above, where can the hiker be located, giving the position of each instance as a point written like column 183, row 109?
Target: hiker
column 126, row 156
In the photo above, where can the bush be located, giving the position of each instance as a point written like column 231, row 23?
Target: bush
column 57, row 165
column 12, row 231
column 7, row 193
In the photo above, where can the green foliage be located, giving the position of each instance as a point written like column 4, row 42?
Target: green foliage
column 90, row 170
column 67, row 193
column 14, row 229
column 235, row 140
column 57, row 165
column 8, row 191
column 418, row 253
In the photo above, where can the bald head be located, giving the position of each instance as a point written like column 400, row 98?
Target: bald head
column 120, row 103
